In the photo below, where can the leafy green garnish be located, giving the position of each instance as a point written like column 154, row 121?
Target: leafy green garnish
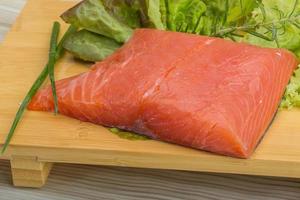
column 152, row 17
column 280, row 23
column 292, row 93
column 207, row 17
column 99, row 17
column 128, row 135
column 184, row 15
column 126, row 12
column 89, row 46
column 39, row 81
column 272, row 23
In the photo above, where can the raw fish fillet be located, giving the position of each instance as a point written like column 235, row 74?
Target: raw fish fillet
column 201, row 92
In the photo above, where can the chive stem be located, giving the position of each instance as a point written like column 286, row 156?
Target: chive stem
column 37, row 84
column 52, row 61
column 39, row 81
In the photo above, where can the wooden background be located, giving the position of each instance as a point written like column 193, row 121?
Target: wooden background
column 92, row 182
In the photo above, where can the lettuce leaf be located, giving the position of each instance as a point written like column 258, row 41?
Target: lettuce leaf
column 239, row 10
column 89, row 46
column 183, row 15
column 292, row 94
column 127, row 12
column 283, row 14
column 151, row 15
column 205, row 17
column 163, row 12
column 113, row 19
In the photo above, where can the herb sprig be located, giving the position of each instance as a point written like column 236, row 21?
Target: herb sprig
column 55, row 53
column 271, row 27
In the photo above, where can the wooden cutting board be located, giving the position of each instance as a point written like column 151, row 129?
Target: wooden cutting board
column 42, row 138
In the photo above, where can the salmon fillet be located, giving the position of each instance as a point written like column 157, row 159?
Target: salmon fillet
column 201, row 92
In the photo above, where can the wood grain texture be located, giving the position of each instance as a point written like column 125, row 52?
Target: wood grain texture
column 91, row 182
column 78, row 182
column 8, row 12
column 27, row 171
column 62, row 139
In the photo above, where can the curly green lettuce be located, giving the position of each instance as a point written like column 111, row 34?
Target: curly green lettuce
column 205, row 17
column 117, row 19
column 151, row 15
column 284, row 15
column 292, row 93
column 183, row 15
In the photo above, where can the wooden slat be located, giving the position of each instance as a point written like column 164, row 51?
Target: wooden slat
column 90, row 182
column 79, row 182
column 28, row 171
column 22, row 57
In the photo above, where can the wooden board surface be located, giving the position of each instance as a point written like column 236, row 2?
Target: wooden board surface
column 78, row 182
column 60, row 139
